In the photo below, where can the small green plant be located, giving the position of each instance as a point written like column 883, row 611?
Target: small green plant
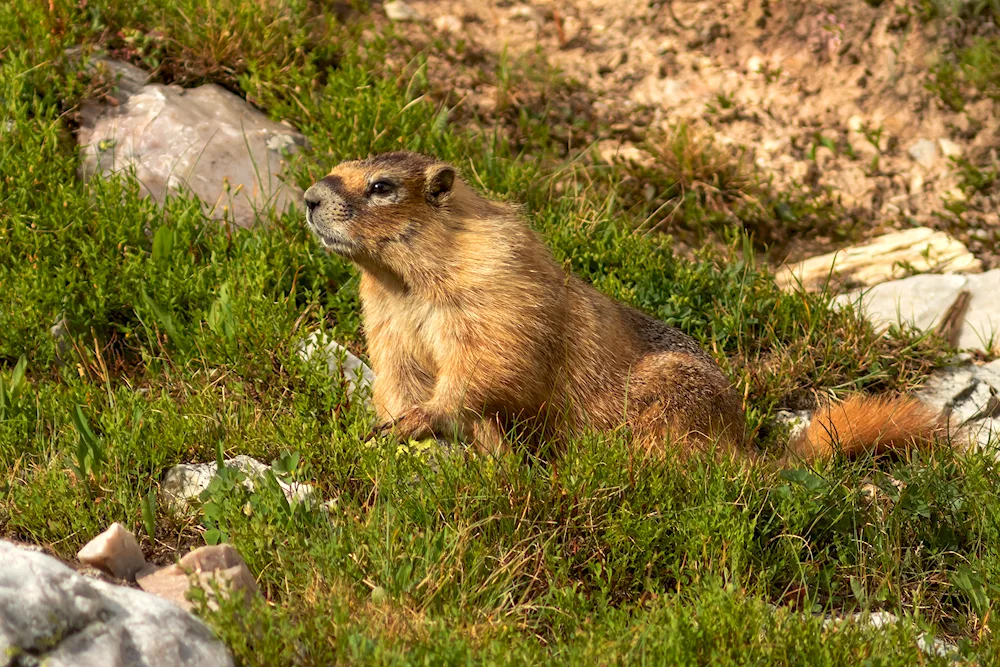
column 12, row 390
column 89, row 454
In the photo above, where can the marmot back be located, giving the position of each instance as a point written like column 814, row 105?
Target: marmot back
column 473, row 329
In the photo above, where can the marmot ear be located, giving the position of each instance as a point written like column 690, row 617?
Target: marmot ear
column 440, row 180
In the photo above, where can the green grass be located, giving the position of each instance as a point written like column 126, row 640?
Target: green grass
column 182, row 340
column 969, row 68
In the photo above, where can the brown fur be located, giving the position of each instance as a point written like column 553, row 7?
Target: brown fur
column 473, row 328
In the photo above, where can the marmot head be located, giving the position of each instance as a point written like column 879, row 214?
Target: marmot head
column 384, row 211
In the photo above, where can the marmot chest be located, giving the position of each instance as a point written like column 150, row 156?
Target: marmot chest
column 414, row 327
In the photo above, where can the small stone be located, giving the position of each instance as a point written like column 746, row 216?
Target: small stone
column 924, row 152
column 614, row 151
column 668, row 45
column 855, row 123
column 114, row 551
column 186, row 481
column 448, row 23
column 571, row 29
column 797, row 422
column 220, row 564
column 379, row 595
column 755, row 64
column 397, row 10
column 824, row 158
column 340, row 362
column 799, row 170
column 60, row 334
column 527, row 13
column 916, row 182
column 949, row 148
column 935, row 646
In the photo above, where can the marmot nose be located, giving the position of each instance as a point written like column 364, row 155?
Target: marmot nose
column 312, row 200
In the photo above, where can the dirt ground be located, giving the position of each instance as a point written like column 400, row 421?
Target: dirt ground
column 829, row 99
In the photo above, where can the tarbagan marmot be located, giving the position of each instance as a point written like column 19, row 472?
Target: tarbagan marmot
column 474, row 331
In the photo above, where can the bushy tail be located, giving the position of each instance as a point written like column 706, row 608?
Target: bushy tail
column 862, row 424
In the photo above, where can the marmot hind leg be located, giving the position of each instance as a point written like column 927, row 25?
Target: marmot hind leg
column 680, row 400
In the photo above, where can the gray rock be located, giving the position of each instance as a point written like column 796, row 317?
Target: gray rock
column 60, row 334
column 982, row 320
column 185, row 482
column 924, row 152
column 970, row 396
column 919, row 300
column 128, row 78
column 879, row 620
column 340, row 362
column 205, row 140
column 922, row 300
column 797, row 421
column 51, row 615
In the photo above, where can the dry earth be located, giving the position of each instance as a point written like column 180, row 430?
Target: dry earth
column 826, row 100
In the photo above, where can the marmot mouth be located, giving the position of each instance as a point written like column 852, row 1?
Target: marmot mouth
column 338, row 246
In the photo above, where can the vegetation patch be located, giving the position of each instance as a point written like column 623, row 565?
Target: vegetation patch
column 137, row 336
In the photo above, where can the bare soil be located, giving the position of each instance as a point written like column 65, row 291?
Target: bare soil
column 827, row 100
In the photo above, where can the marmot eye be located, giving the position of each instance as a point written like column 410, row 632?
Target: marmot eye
column 380, row 188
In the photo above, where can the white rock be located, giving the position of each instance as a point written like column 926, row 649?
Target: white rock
column 186, row 481
column 880, row 620
column 923, row 299
column 949, row 148
column 797, row 421
column 982, row 320
column 755, row 64
column 340, row 362
column 220, row 564
column 205, row 139
column 924, row 152
column 883, row 258
column 448, row 23
column 935, row 646
column 965, row 392
column 59, row 618
column 919, row 300
column 612, row 151
column 114, row 551
column 397, row 10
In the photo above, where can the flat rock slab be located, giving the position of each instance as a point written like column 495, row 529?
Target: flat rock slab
column 923, row 300
column 51, row 615
column 887, row 257
column 205, row 140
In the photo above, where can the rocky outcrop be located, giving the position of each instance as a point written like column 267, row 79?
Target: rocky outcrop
column 51, row 615
column 204, row 140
